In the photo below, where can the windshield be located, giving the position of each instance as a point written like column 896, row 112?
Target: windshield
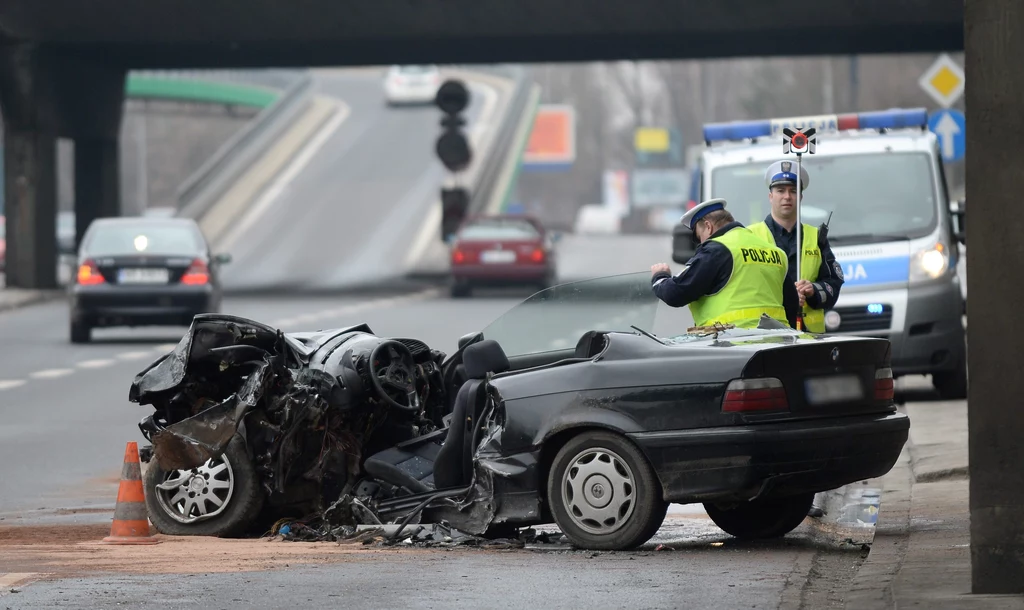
column 556, row 318
column 495, row 228
column 119, row 239
column 892, row 193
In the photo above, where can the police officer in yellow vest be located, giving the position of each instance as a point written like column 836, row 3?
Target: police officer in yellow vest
column 821, row 276
column 734, row 277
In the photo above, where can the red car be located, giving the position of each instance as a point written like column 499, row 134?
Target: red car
column 501, row 251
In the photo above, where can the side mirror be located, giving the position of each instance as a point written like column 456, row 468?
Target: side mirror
column 684, row 244
column 222, row 259
column 470, row 338
column 959, row 213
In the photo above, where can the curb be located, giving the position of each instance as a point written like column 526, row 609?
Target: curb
column 35, row 298
column 873, row 585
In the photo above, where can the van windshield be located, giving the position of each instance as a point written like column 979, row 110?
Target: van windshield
column 878, row 194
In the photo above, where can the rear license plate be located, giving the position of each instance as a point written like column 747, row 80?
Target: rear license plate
column 142, row 276
column 838, row 388
column 498, row 256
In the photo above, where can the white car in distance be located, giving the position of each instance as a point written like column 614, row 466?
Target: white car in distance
column 411, row 84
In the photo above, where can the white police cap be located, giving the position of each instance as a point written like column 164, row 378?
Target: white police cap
column 784, row 172
column 700, row 210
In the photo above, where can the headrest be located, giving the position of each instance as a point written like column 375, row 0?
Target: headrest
column 484, row 357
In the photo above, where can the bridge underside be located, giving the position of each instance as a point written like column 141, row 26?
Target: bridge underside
column 201, row 33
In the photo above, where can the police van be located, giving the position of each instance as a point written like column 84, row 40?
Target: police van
column 877, row 178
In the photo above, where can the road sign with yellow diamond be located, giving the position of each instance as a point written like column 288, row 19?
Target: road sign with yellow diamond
column 944, row 81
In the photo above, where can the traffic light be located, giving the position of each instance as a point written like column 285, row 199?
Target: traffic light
column 454, row 205
column 453, row 147
column 453, row 150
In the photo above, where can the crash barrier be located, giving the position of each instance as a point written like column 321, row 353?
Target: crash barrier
column 504, row 144
column 131, row 520
column 208, row 183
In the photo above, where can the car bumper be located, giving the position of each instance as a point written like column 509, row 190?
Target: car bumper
column 501, row 273
column 107, row 305
column 743, row 463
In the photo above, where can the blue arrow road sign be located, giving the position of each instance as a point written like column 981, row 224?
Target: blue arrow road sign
column 948, row 125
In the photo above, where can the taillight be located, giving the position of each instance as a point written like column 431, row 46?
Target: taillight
column 89, row 274
column 458, row 256
column 885, row 387
column 744, row 395
column 197, row 274
column 537, row 256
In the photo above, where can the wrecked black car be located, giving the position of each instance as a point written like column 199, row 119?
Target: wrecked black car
column 567, row 409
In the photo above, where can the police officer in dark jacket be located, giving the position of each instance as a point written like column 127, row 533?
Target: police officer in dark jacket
column 734, row 277
column 821, row 276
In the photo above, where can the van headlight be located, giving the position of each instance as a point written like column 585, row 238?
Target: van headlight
column 930, row 263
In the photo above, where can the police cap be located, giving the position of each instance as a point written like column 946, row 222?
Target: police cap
column 700, row 210
column 784, row 172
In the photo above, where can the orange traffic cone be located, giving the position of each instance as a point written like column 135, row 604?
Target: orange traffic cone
column 131, row 521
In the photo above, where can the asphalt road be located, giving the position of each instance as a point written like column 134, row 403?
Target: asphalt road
column 351, row 214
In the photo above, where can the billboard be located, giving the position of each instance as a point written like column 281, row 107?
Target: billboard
column 552, row 143
column 660, row 187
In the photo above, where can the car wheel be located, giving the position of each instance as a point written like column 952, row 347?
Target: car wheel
column 81, row 332
column 220, row 498
column 766, row 518
column 952, row 385
column 604, row 494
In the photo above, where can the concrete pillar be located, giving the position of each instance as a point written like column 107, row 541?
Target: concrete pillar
column 994, row 44
column 46, row 95
column 30, row 184
column 97, row 182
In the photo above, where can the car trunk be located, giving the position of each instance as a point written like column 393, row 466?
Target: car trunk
column 137, row 271
column 829, row 379
column 500, row 252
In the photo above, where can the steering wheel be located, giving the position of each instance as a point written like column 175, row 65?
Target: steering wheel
column 391, row 368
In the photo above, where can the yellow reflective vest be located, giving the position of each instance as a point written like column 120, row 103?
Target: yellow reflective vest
column 810, row 263
column 754, row 288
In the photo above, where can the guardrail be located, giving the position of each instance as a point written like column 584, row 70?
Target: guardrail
column 201, row 189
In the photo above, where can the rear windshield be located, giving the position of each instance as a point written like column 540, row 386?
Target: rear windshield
column 499, row 229
column 171, row 240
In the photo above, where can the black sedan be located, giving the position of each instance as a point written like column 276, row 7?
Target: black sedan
column 565, row 409
column 136, row 271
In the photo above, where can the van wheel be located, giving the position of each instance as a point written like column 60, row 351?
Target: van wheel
column 765, row 518
column 81, row 332
column 604, row 494
column 951, row 385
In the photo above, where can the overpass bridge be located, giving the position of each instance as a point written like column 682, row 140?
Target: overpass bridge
column 49, row 48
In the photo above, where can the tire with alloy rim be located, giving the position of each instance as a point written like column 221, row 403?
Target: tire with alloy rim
column 604, row 494
column 766, row 518
column 220, row 498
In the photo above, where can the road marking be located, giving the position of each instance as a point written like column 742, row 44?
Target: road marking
column 346, row 310
column 8, row 384
column 51, row 373
column 95, row 364
column 14, row 579
column 292, row 170
column 134, row 355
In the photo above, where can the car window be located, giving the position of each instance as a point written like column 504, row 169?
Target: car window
column 171, row 240
column 556, row 318
column 499, row 229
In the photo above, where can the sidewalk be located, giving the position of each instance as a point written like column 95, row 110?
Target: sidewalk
column 13, row 298
column 921, row 554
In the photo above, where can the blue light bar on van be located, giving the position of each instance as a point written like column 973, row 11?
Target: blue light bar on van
column 895, row 118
